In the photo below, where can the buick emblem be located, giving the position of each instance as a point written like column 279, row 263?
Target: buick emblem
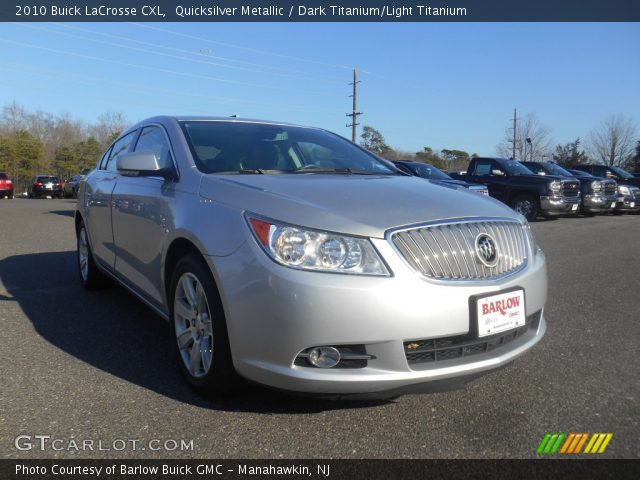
column 487, row 250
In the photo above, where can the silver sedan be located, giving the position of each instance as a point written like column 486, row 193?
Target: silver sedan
column 291, row 257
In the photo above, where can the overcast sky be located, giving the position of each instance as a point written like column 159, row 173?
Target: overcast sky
column 438, row 85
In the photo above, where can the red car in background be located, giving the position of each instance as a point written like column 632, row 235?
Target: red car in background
column 6, row 186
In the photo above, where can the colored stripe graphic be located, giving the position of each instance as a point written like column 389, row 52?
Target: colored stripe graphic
column 572, row 443
column 598, row 443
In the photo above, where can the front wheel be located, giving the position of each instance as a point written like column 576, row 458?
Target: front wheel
column 90, row 276
column 526, row 205
column 199, row 328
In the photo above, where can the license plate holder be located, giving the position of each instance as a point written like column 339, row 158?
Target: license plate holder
column 574, row 207
column 497, row 312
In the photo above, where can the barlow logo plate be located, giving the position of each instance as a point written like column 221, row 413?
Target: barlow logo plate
column 497, row 313
column 487, row 250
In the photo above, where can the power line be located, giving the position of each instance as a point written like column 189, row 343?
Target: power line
column 147, row 67
column 189, row 52
column 263, row 52
column 153, row 52
column 146, row 89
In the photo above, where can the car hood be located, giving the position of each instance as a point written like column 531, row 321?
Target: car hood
column 366, row 205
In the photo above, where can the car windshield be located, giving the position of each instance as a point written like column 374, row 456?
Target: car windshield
column 554, row 169
column 516, row 168
column 243, row 147
column 425, row 170
column 622, row 173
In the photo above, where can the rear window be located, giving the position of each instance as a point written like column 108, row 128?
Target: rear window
column 3, row 176
column 47, row 179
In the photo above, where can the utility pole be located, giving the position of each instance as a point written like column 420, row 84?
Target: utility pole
column 515, row 130
column 354, row 114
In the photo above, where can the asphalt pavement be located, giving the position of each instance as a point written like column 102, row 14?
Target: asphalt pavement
column 83, row 366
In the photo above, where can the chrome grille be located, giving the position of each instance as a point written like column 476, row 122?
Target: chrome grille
column 570, row 189
column 448, row 251
column 610, row 188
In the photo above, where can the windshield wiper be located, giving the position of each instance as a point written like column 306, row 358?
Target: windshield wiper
column 336, row 170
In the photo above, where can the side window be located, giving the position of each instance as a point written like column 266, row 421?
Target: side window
column 153, row 139
column 483, row 168
column 120, row 147
column 105, row 158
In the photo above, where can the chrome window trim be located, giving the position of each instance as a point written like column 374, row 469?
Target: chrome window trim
column 528, row 253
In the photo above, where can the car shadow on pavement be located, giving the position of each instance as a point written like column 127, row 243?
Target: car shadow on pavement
column 114, row 332
column 65, row 213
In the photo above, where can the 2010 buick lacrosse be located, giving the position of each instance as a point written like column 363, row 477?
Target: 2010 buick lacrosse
column 291, row 257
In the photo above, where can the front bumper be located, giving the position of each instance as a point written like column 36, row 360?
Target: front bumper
column 557, row 205
column 599, row 203
column 273, row 313
column 627, row 203
column 41, row 192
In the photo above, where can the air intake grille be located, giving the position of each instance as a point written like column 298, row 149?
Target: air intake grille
column 448, row 252
column 425, row 351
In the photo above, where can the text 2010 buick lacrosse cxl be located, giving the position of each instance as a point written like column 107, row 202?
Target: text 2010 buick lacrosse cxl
column 291, row 257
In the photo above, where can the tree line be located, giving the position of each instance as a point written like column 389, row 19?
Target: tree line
column 33, row 143
column 615, row 141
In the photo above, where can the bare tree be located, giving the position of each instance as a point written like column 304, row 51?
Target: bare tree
column 533, row 140
column 13, row 118
column 613, row 142
column 109, row 126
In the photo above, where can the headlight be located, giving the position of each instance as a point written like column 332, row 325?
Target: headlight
column 555, row 186
column 624, row 190
column 532, row 240
column 306, row 249
column 596, row 186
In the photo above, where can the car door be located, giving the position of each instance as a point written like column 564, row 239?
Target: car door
column 97, row 197
column 484, row 175
column 142, row 217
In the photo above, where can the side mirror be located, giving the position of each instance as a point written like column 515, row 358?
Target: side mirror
column 497, row 172
column 143, row 163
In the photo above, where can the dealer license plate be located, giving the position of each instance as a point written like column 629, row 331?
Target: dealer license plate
column 632, row 204
column 49, row 185
column 574, row 207
column 497, row 313
column 613, row 205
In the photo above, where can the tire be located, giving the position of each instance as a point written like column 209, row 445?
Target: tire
column 526, row 205
column 90, row 276
column 11, row 197
column 201, row 341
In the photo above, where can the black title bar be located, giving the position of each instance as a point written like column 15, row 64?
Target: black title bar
column 321, row 11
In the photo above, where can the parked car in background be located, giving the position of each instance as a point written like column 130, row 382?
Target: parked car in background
column 524, row 191
column 598, row 195
column 45, row 185
column 6, row 186
column 295, row 258
column 434, row 175
column 70, row 188
column 628, row 185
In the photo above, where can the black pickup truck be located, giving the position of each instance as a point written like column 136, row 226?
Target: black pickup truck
column 628, row 185
column 527, row 193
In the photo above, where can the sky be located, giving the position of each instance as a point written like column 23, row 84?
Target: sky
column 445, row 85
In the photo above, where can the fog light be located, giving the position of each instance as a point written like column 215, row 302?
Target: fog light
column 324, row 357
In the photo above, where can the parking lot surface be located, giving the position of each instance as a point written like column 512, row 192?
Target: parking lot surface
column 79, row 365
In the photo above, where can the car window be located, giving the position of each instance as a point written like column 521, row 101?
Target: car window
column 3, row 176
column 120, row 147
column 47, row 179
column 483, row 168
column 235, row 147
column 153, row 139
column 105, row 158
